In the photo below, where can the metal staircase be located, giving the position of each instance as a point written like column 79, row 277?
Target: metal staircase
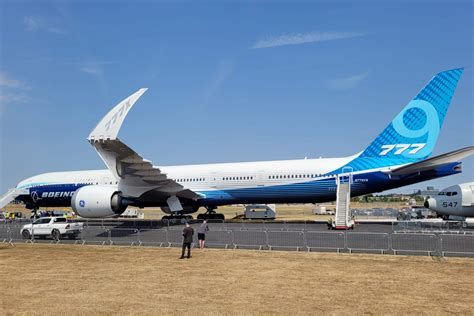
column 343, row 200
column 10, row 196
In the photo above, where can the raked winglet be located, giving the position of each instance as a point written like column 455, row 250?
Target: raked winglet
column 109, row 126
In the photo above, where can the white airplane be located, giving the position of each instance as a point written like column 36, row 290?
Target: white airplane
column 457, row 200
column 397, row 157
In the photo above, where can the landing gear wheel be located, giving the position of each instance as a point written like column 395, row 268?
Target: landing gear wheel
column 56, row 235
column 26, row 234
column 211, row 215
column 219, row 216
column 177, row 218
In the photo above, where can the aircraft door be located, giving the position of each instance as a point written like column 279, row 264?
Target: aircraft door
column 105, row 181
column 260, row 178
column 346, row 176
column 467, row 195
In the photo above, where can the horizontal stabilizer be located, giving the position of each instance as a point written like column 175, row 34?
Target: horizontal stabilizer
column 433, row 162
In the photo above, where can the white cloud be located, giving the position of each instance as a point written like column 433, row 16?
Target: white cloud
column 92, row 70
column 6, row 82
column 34, row 24
column 11, row 97
column 57, row 30
column 301, row 38
column 11, row 90
column 347, row 82
column 94, row 67
column 224, row 70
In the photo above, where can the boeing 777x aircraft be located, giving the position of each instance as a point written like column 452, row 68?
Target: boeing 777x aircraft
column 397, row 157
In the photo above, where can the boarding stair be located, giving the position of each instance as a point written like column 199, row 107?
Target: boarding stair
column 10, row 196
column 343, row 200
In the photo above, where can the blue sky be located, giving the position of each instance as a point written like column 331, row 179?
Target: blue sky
column 229, row 81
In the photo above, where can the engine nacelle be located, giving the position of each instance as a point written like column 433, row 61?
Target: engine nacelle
column 95, row 201
column 186, row 210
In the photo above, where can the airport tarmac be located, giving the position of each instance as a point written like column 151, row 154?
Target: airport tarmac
column 419, row 238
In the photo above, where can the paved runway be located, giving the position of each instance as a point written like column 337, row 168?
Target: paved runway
column 397, row 238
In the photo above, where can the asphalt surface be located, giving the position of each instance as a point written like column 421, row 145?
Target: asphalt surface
column 393, row 238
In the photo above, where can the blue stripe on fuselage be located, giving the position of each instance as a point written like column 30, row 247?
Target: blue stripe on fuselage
column 315, row 191
column 318, row 191
column 50, row 194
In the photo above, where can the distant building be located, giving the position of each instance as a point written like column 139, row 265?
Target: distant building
column 430, row 191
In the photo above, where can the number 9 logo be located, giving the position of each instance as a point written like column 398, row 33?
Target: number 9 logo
column 430, row 128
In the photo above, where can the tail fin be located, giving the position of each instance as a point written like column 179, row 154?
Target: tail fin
column 413, row 133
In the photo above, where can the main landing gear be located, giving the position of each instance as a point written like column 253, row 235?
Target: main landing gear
column 177, row 217
column 211, row 214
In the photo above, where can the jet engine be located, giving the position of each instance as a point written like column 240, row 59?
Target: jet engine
column 94, row 201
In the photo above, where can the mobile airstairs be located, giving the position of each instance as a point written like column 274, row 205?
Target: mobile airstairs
column 343, row 200
column 10, row 196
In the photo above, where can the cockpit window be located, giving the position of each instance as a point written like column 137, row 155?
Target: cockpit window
column 448, row 193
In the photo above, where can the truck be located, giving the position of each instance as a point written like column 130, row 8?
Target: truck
column 54, row 227
column 260, row 211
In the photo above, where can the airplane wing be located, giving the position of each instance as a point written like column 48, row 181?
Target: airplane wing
column 434, row 162
column 135, row 174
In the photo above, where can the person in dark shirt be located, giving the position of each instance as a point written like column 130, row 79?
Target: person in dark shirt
column 188, row 233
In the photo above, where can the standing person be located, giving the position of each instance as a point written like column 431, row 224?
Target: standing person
column 329, row 223
column 202, row 234
column 188, row 233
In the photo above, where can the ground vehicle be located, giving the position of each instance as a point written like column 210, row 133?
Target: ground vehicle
column 55, row 227
column 260, row 211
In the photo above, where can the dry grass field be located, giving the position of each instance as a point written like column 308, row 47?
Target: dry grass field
column 54, row 279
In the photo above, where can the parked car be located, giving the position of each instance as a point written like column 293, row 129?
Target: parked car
column 54, row 227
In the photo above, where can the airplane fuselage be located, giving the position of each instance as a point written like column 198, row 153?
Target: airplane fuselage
column 285, row 181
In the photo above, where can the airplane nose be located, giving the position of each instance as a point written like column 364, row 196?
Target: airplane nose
column 430, row 203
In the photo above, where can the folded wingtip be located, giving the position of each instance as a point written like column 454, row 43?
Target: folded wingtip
column 109, row 126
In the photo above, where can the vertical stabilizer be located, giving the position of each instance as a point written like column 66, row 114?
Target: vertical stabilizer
column 412, row 134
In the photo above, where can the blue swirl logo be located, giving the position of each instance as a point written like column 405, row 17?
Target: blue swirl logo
column 82, row 203
column 418, row 119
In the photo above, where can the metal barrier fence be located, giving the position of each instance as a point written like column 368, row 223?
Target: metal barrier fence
column 269, row 237
column 433, row 226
